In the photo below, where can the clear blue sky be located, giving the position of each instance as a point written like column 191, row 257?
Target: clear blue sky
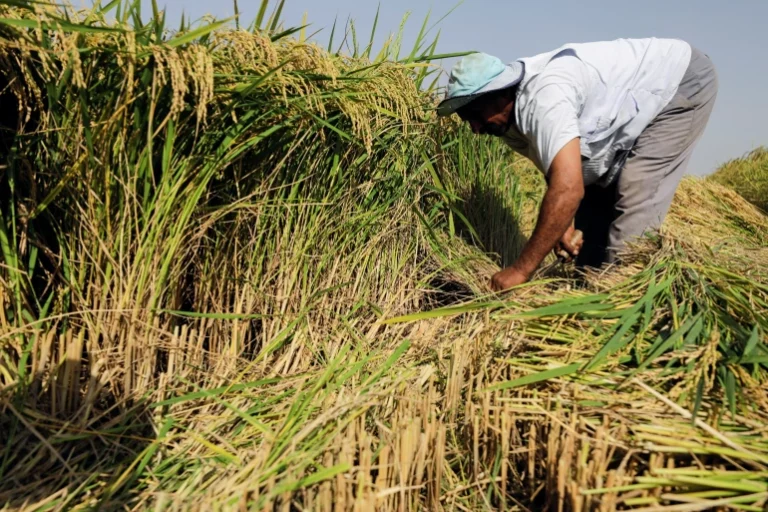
column 732, row 33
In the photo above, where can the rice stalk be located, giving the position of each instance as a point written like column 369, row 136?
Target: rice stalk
column 243, row 271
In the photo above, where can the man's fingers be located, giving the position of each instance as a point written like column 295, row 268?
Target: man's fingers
column 577, row 240
column 568, row 250
column 569, row 246
column 573, row 246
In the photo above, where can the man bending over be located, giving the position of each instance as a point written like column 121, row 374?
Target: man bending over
column 612, row 126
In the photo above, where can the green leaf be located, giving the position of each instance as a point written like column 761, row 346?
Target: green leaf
column 617, row 342
column 152, row 449
column 697, row 402
column 662, row 346
column 536, row 377
column 197, row 33
column 754, row 339
column 208, row 393
column 367, row 53
column 717, row 483
column 275, row 17
column 561, row 309
column 58, row 24
column 391, row 360
column 693, row 335
column 212, row 316
column 730, row 390
column 287, row 33
column 318, row 476
column 442, row 312
column 333, row 32
column 440, row 56
column 260, row 16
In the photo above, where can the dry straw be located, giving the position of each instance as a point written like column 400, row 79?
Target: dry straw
column 241, row 271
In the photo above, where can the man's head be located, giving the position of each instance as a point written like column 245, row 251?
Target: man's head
column 480, row 90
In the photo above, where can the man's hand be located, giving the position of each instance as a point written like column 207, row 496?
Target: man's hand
column 508, row 278
column 569, row 244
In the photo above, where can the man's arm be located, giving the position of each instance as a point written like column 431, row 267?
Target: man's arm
column 562, row 199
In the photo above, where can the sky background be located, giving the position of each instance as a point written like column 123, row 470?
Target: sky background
column 732, row 33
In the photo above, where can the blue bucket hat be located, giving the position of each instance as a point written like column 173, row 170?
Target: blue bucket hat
column 475, row 75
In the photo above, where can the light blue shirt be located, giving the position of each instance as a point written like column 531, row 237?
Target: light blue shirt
column 604, row 93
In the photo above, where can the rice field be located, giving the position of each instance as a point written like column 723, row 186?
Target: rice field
column 245, row 271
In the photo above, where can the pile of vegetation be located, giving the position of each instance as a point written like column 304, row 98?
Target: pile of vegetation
column 243, row 271
column 748, row 176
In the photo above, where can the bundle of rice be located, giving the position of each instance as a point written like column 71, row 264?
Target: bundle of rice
column 240, row 271
column 748, row 176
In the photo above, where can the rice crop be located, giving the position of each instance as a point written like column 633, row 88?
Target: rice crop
column 748, row 176
column 244, row 271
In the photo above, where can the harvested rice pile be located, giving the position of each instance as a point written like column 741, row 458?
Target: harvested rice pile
column 748, row 176
column 240, row 271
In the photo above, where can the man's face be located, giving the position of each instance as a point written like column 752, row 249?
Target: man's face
column 490, row 114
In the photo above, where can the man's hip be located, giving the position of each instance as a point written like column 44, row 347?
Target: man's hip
column 638, row 199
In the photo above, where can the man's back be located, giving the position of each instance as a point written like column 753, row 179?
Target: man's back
column 604, row 93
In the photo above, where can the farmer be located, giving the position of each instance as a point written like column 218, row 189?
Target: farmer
column 612, row 126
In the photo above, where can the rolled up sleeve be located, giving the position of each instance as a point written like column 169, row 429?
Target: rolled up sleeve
column 550, row 121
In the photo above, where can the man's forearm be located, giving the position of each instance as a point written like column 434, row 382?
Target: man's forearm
column 557, row 212
column 564, row 194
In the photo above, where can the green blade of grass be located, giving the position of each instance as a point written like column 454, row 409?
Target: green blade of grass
column 537, row 377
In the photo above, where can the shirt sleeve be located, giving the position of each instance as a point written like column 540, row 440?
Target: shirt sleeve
column 550, row 121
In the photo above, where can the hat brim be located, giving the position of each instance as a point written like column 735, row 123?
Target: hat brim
column 511, row 76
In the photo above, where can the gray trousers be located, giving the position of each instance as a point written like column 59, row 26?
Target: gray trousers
column 639, row 197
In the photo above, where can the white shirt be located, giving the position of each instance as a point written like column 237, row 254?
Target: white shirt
column 605, row 93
